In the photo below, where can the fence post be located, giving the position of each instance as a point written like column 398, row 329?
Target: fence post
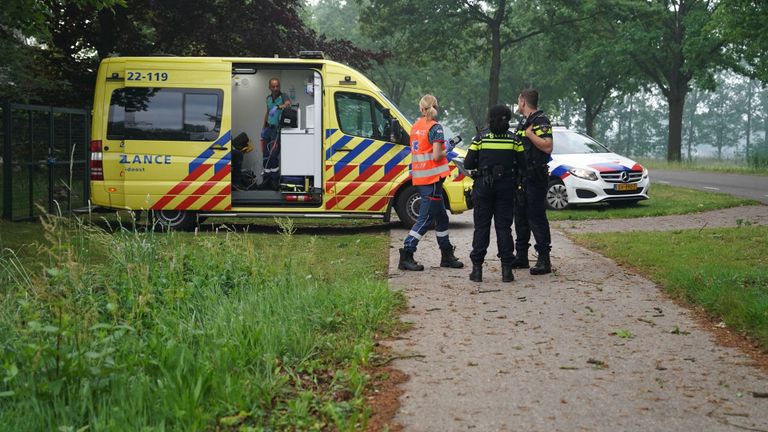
column 70, row 162
column 51, row 160
column 31, row 164
column 7, row 159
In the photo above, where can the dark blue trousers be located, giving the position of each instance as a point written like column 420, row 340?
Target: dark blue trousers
column 495, row 202
column 532, row 217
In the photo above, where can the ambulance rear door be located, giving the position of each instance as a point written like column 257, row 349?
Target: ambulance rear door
column 175, row 129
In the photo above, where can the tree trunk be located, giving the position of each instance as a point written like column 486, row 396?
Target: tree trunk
column 764, row 103
column 493, row 80
column 629, row 125
column 749, row 120
column 620, row 117
column 567, row 114
column 719, row 138
column 691, row 126
column 589, row 118
column 676, row 103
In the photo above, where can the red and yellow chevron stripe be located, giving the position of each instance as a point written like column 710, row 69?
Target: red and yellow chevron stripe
column 206, row 187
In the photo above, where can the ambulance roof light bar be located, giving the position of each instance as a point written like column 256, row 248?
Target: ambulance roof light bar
column 311, row 55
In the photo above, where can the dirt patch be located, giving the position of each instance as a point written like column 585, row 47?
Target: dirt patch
column 384, row 391
column 384, row 399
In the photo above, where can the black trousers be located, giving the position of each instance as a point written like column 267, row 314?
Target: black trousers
column 532, row 218
column 496, row 202
column 237, row 165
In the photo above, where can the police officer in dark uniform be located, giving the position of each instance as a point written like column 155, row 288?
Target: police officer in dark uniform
column 535, row 133
column 499, row 160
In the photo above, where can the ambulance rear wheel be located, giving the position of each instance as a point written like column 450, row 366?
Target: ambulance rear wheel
column 407, row 206
column 173, row 220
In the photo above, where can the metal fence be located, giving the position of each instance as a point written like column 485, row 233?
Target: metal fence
column 44, row 153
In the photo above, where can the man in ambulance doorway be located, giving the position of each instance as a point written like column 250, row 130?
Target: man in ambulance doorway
column 270, row 135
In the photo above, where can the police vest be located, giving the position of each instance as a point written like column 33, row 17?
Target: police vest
column 425, row 170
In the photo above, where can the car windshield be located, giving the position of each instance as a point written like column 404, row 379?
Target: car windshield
column 569, row 142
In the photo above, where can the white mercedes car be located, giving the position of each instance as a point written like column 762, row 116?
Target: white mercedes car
column 583, row 171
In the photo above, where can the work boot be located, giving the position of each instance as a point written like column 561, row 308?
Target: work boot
column 448, row 259
column 521, row 260
column 543, row 265
column 407, row 262
column 506, row 273
column 477, row 272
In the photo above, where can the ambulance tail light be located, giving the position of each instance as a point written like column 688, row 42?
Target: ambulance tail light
column 97, row 161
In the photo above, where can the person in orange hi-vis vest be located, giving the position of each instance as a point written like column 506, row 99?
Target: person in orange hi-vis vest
column 429, row 168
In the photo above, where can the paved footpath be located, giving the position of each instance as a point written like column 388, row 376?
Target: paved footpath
column 542, row 353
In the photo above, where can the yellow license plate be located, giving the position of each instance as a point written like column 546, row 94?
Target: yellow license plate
column 626, row 186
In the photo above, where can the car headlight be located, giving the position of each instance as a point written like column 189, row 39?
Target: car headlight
column 583, row 173
column 645, row 172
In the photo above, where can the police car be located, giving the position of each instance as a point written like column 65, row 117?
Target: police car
column 583, row 171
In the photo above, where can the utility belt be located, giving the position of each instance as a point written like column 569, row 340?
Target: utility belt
column 491, row 174
column 537, row 172
column 497, row 171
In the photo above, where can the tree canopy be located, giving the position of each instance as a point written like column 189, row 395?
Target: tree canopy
column 651, row 71
column 60, row 44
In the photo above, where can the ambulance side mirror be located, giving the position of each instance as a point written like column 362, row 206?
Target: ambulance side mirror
column 398, row 134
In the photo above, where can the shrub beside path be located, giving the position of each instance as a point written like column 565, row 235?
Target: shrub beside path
column 591, row 347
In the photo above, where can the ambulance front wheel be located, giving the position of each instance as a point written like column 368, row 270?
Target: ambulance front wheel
column 407, row 206
column 172, row 220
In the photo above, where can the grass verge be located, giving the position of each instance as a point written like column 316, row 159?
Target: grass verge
column 216, row 331
column 724, row 270
column 665, row 200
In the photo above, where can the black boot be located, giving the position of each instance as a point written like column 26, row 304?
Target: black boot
column 448, row 259
column 506, row 273
column 543, row 265
column 407, row 262
column 477, row 272
column 521, row 260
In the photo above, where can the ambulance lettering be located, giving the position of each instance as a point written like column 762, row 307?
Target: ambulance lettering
column 145, row 159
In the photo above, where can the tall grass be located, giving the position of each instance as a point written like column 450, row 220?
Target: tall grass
column 140, row 331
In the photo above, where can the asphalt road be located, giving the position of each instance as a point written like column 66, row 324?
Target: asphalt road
column 747, row 186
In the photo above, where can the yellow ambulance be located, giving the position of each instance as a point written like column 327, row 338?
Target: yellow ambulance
column 163, row 132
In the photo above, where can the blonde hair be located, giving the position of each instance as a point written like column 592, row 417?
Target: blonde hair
column 428, row 106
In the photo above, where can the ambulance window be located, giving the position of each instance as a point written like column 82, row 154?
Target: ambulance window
column 361, row 115
column 162, row 114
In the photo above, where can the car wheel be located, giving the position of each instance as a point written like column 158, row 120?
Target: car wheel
column 407, row 206
column 173, row 220
column 557, row 195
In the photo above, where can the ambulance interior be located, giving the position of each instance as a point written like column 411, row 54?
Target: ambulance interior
column 300, row 142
